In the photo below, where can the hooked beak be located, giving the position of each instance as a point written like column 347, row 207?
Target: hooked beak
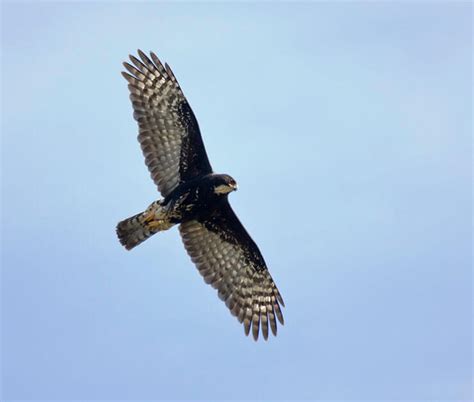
column 225, row 188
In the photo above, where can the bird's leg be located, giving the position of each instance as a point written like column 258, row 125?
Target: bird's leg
column 159, row 225
column 154, row 211
column 149, row 216
column 155, row 217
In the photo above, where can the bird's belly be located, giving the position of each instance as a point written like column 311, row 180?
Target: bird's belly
column 192, row 210
column 190, row 202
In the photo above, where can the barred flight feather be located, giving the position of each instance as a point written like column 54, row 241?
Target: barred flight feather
column 250, row 294
column 168, row 131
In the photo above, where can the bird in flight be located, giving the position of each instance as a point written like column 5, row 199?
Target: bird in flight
column 195, row 198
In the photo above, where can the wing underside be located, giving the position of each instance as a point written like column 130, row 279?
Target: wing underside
column 229, row 261
column 169, row 134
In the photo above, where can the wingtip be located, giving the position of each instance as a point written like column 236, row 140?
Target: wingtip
column 135, row 61
column 145, row 58
column 280, row 299
column 155, row 57
column 246, row 323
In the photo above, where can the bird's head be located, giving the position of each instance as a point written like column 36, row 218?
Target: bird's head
column 224, row 184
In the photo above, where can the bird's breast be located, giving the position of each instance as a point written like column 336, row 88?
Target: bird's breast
column 192, row 203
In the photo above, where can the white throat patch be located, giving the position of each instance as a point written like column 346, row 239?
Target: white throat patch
column 223, row 189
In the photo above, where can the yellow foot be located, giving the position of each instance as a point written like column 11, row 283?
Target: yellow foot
column 154, row 224
column 158, row 225
column 149, row 217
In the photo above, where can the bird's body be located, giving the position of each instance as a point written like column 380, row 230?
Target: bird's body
column 196, row 199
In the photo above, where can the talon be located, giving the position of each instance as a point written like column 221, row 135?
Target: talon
column 149, row 217
column 155, row 224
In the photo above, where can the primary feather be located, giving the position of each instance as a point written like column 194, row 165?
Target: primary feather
column 196, row 199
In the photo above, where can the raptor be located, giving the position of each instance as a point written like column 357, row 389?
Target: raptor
column 195, row 198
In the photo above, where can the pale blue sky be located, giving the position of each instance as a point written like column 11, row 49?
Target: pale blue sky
column 348, row 128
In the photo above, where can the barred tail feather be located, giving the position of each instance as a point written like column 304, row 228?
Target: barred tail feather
column 133, row 231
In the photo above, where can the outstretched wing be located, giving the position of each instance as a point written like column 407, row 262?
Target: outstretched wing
column 229, row 260
column 168, row 130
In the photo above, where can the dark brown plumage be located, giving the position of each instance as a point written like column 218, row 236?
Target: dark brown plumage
column 196, row 199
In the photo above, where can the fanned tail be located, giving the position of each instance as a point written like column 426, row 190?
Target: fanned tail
column 133, row 231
